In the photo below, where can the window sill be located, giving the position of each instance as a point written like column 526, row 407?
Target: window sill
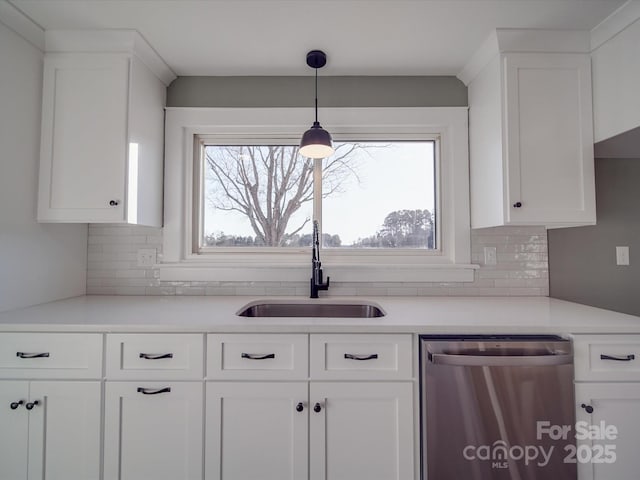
column 206, row 272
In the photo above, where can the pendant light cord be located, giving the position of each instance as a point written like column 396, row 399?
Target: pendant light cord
column 316, row 95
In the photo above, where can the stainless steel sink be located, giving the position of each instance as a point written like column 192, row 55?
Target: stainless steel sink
column 327, row 310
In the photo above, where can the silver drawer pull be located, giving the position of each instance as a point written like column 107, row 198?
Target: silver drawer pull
column 32, row 355
column 618, row 358
column 156, row 356
column 352, row 356
column 153, row 391
column 258, row 356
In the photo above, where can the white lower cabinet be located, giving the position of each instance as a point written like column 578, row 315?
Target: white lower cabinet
column 341, row 410
column 258, row 412
column 607, row 374
column 153, row 431
column 257, row 431
column 50, row 406
column 321, row 431
column 50, row 430
column 361, row 430
column 611, row 455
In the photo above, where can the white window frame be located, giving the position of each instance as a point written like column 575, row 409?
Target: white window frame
column 363, row 255
column 448, row 124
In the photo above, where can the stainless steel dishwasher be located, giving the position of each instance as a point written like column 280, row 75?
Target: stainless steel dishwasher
column 496, row 408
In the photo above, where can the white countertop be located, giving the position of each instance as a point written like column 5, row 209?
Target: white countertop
column 455, row 315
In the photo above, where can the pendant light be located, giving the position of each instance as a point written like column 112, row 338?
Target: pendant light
column 316, row 142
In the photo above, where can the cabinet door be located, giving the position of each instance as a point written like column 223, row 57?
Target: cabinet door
column 153, row 431
column 362, row 430
column 614, row 405
column 549, row 139
column 257, row 431
column 64, row 431
column 84, row 135
column 14, row 429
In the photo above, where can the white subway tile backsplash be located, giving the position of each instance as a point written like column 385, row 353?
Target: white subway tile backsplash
column 522, row 269
column 160, row 290
column 402, row 291
column 250, row 291
column 280, row 291
column 219, row 291
column 140, row 273
column 371, row 291
column 190, row 290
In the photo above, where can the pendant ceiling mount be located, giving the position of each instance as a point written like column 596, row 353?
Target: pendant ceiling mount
column 316, row 59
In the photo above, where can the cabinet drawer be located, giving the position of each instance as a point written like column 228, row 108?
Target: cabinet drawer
column 607, row 357
column 50, row 355
column 155, row 356
column 257, row 356
column 361, row 356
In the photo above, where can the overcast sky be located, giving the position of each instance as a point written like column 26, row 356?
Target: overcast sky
column 397, row 177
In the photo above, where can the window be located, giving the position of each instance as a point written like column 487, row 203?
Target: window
column 367, row 195
column 392, row 203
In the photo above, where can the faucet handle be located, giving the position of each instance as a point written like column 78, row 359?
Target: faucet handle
column 316, row 233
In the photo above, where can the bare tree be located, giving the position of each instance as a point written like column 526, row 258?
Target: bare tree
column 268, row 184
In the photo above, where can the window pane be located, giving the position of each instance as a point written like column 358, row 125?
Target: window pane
column 380, row 195
column 257, row 196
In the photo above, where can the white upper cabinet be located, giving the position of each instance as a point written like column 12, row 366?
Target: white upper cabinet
column 101, row 157
column 616, row 72
column 531, row 130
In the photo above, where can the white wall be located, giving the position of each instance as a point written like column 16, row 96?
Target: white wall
column 38, row 262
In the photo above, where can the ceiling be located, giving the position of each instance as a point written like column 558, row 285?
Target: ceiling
column 272, row 37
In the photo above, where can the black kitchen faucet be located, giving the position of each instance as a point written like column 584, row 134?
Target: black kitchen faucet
column 316, row 270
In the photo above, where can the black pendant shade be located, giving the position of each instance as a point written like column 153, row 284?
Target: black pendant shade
column 316, row 142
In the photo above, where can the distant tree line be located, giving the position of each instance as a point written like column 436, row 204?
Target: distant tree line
column 220, row 239
column 403, row 229
column 400, row 229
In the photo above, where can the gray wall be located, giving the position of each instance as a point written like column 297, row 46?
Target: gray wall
column 417, row 91
column 582, row 261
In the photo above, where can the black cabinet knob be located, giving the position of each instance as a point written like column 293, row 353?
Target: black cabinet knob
column 15, row 405
column 317, row 408
column 299, row 407
column 29, row 406
column 114, row 203
column 517, row 205
column 588, row 408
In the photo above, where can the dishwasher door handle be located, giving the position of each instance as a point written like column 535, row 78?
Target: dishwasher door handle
column 500, row 360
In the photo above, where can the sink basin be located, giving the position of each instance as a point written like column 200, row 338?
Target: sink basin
column 327, row 310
